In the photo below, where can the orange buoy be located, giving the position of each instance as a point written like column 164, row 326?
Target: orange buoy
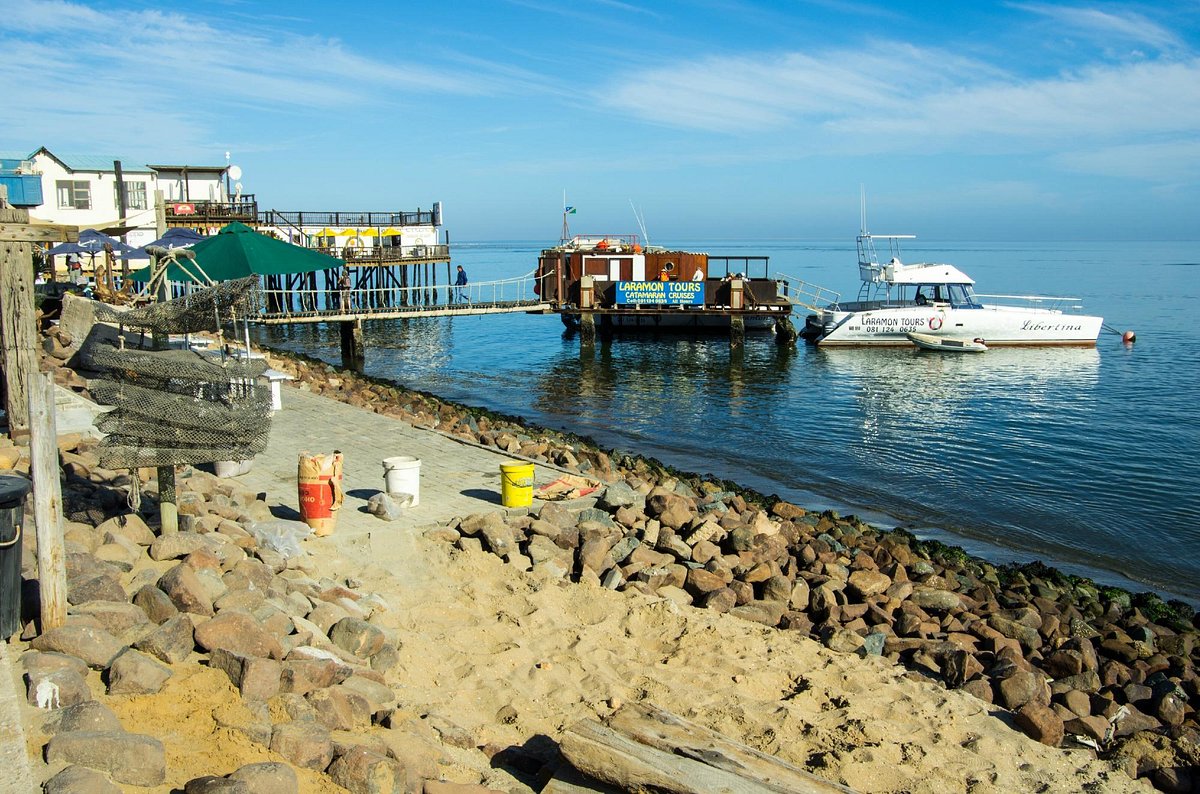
column 1129, row 337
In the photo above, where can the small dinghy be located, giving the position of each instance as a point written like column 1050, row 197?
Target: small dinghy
column 947, row 344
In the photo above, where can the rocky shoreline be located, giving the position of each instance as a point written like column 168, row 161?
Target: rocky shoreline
column 1088, row 665
column 1072, row 663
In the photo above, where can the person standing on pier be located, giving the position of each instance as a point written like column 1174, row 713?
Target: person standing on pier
column 460, row 285
column 344, row 289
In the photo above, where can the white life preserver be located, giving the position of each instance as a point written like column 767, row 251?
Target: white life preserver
column 935, row 323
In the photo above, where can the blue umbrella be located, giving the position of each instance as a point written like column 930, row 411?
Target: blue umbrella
column 92, row 242
column 177, row 237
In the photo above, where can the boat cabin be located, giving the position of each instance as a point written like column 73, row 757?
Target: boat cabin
column 893, row 283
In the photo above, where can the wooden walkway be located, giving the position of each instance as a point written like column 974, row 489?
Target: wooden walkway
column 536, row 306
column 503, row 296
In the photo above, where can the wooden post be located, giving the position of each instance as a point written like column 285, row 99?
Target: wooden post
column 353, row 355
column 16, row 318
column 19, row 336
column 47, row 502
column 168, row 510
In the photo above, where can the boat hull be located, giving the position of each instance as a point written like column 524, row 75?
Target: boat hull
column 947, row 344
column 999, row 325
column 681, row 321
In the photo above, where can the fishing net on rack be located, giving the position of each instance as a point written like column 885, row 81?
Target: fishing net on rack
column 203, row 310
column 180, row 406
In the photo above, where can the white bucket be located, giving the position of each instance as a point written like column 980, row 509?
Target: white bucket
column 402, row 475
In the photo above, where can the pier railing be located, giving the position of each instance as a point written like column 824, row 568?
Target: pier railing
column 315, row 304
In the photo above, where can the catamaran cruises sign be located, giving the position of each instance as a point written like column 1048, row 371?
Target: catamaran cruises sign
column 660, row 293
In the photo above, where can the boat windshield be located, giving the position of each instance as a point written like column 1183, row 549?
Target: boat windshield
column 957, row 295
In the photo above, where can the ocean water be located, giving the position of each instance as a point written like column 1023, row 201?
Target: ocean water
column 1082, row 458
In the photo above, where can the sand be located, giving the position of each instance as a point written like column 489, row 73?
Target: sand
column 507, row 657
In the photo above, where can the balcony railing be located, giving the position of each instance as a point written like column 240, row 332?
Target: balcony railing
column 356, row 219
column 191, row 213
column 369, row 255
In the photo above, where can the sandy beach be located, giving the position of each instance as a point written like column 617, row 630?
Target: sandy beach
column 489, row 662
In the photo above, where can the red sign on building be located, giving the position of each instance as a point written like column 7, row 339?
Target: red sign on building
column 183, row 209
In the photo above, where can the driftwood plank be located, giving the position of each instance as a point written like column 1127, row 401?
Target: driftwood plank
column 644, row 748
column 658, row 728
column 567, row 780
column 606, row 755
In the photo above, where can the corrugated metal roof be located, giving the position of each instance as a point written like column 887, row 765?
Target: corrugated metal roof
column 198, row 168
column 100, row 162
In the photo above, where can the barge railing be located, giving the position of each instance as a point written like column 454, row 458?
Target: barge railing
column 810, row 296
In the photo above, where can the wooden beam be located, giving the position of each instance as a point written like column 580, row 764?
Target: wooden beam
column 38, row 233
column 646, row 748
column 47, row 502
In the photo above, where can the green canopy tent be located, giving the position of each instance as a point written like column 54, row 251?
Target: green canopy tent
column 238, row 251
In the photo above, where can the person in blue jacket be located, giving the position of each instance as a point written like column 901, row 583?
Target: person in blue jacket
column 460, row 285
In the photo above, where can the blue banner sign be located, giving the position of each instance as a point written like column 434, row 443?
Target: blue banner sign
column 660, row 293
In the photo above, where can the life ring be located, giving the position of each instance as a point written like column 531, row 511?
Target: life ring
column 935, row 323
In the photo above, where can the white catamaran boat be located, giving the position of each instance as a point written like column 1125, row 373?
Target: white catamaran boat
column 897, row 299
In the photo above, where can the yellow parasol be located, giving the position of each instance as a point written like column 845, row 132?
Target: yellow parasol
column 326, row 232
column 371, row 232
column 391, row 231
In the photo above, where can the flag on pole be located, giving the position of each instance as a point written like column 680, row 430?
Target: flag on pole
column 568, row 210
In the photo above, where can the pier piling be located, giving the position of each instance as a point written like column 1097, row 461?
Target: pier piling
column 353, row 354
column 785, row 332
column 587, row 328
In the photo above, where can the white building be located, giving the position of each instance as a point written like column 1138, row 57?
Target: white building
column 81, row 190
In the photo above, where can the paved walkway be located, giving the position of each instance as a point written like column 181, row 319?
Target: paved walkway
column 456, row 478
column 17, row 776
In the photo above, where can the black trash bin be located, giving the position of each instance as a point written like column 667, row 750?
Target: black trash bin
column 13, row 490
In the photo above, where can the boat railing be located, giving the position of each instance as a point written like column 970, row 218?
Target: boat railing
column 1051, row 302
column 801, row 293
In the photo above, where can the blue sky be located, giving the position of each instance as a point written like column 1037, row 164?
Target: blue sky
column 719, row 120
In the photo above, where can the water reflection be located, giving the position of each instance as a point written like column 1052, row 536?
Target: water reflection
column 631, row 388
column 922, row 390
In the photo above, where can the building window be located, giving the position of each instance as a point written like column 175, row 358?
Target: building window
column 74, row 195
column 135, row 196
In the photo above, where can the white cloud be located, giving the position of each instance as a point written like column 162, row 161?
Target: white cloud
column 1097, row 103
column 143, row 73
column 745, row 94
column 1106, row 27
column 902, row 98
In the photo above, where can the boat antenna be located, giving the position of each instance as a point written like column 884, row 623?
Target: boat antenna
column 641, row 219
column 862, row 208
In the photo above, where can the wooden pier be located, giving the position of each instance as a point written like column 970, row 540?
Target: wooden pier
column 350, row 306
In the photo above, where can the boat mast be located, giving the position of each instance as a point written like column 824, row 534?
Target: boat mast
column 641, row 220
column 566, row 233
